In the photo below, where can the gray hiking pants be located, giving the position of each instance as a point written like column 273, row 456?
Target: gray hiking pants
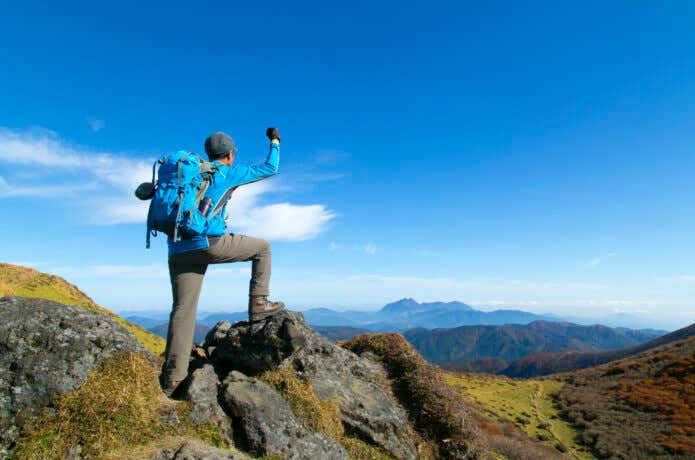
column 186, row 271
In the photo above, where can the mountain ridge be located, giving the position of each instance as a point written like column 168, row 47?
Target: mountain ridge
column 567, row 360
column 468, row 344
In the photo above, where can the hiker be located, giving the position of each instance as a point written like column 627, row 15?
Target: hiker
column 189, row 257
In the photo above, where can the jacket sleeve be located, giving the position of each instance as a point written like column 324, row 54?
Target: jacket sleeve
column 245, row 174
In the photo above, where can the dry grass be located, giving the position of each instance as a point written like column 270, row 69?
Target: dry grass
column 27, row 282
column 322, row 416
column 670, row 395
column 317, row 415
column 120, row 406
column 438, row 414
column 650, row 396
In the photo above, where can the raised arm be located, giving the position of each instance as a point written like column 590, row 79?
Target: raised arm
column 245, row 174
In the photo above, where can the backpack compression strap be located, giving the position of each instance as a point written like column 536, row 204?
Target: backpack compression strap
column 149, row 211
column 177, row 237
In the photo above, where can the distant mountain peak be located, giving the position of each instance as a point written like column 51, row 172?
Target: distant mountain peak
column 406, row 303
column 410, row 305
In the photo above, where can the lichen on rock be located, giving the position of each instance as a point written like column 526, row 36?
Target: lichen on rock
column 48, row 349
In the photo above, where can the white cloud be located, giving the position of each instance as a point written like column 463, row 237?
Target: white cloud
column 279, row 222
column 333, row 246
column 96, row 124
column 117, row 175
column 285, row 221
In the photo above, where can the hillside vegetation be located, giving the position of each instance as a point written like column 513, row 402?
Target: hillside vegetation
column 27, row 282
column 642, row 406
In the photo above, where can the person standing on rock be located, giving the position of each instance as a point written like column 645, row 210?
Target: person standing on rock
column 190, row 257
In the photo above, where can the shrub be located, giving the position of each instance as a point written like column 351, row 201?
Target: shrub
column 438, row 413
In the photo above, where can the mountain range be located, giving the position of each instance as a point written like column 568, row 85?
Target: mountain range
column 552, row 346
column 507, row 343
column 397, row 316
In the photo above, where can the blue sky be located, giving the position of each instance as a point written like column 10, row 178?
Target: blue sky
column 535, row 156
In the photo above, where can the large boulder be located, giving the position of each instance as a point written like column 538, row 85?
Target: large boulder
column 286, row 341
column 269, row 426
column 204, row 393
column 47, row 349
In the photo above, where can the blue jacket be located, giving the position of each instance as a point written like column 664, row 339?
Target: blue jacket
column 225, row 178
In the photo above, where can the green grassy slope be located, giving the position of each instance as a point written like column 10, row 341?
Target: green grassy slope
column 524, row 403
column 27, row 282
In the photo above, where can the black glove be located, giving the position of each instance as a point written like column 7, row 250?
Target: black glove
column 272, row 133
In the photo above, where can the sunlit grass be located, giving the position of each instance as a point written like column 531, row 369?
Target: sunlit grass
column 525, row 403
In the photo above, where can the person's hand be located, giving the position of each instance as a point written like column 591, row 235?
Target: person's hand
column 273, row 134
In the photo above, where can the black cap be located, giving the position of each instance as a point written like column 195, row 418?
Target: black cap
column 219, row 144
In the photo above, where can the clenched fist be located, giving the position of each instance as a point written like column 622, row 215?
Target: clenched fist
column 272, row 133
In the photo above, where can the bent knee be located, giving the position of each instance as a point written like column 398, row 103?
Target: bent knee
column 265, row 246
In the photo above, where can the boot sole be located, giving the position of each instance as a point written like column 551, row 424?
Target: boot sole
column 265, row 314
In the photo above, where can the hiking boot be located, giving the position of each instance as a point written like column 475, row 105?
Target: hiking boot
column 171, row 388
column 261, row 308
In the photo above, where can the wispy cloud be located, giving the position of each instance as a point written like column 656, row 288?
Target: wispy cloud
column 370, row 248
column 333, row 246
column 95, row 124
column 596, row 261
column 8, row 190
column 117, row 175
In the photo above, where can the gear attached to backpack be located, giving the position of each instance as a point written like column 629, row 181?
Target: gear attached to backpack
column 179, row 207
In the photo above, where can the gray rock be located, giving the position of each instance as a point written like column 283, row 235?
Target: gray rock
column 198, row 451
column 268, row 424
column 47, row 349
column 286, row 340
column 203, row 392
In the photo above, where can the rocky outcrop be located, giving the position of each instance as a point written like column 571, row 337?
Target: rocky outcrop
column 47, row 349
column 264, row 420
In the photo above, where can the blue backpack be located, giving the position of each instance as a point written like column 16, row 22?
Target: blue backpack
column 179, row 207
